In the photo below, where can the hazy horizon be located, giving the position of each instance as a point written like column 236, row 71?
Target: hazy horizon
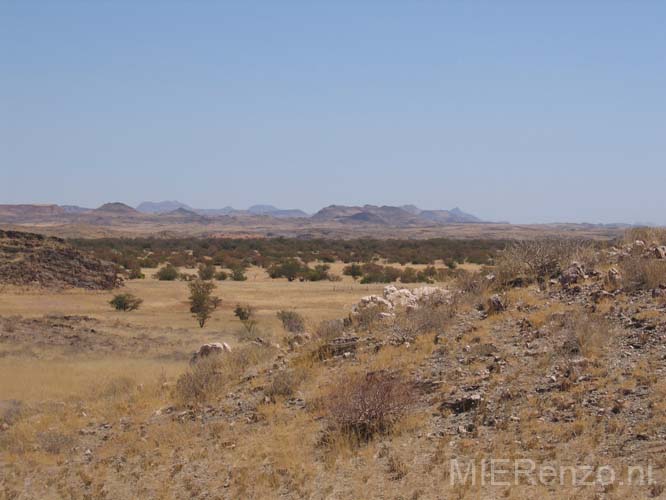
column 513, row 111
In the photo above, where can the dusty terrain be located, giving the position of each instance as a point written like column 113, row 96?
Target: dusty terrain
column 536, row 359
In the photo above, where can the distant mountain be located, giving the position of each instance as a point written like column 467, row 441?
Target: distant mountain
column 183, row 215
column 73, row 209
column 116, row 208
column 161, row 207
column 454, row 216
column 164, row 207
column 276, row 212
column 214, row 212
column 405, row 216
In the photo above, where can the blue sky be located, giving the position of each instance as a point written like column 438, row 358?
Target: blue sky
column 514, row 110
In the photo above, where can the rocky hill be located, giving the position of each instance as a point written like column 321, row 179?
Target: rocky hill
column 28, row 259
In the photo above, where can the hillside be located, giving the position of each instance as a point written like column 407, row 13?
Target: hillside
column 32, row 260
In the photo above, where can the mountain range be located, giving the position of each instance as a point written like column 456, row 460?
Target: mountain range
column 408, row 216
column 162, row 207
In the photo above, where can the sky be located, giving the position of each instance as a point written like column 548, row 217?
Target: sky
column 526, row 111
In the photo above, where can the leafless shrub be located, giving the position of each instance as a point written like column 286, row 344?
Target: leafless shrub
column 587, row 333
column 366, row 318
column 428, row 319
column 363, row 405
column 531, row 261
column 54, row 442
column 640, row 273
column 330, row 329
column 291, row 321
column 208, row 378
column 117, row 387
column 650, row 235
column 284, row 383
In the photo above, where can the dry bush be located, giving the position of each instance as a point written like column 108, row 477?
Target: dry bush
column 426, row 319
column 366, row 318
column 208, row 377
column 588, row 333
column 330, row 329
column 54, row 442
column 531, row 261
column 291, row 321
column 639, row 273
column 650, row 235
column 284, row 383
column 116, row 388
column 363, row 405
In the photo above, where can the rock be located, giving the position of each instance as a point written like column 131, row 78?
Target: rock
column 402, row 298
column 208, row 349
column 463, row 404
column 572, row 274
column 298, row 339
column 372, row 302
column 614, row 277
column 399, row 297
column 496, row 304
column 658, row 293
column 600, row 295
column 338, row 347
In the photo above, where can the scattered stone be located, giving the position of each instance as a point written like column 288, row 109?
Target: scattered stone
column 207, row 349
column 462, row 405
column 573, row 274
column 496, row 304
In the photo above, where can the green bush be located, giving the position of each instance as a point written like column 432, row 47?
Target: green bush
column 202, row 301
column 238, row 274
column 125, row 302
column 167, row 273
column 206, row 272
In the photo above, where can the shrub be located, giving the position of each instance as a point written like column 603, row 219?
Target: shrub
column 319, row 273
column 290, row 269
column 206, row 272
column 135, row 274
column 238, row 274
column 330, row 329
column 362, row 405
column 221, row 275
column 167, row 273
column 125, row 302
column 245, row 314
column 353, row 270
column 208, row 377
column 202, row 301
column 409, row 275
column 284, row 384
column 642, row 274
column 291, row 321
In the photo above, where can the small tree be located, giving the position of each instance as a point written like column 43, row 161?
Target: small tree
column 126, row 302
column 245, row 313
column 353, row 270
column 206, row 272
column 202, row 301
